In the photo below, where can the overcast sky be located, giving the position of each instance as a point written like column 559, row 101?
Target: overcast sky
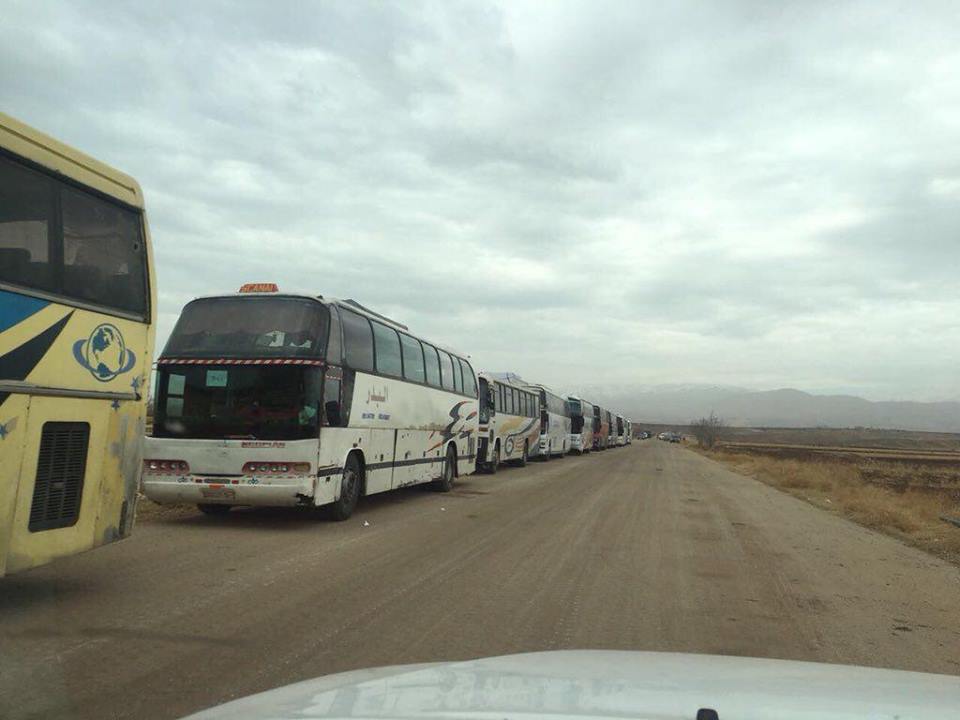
column 763, row 194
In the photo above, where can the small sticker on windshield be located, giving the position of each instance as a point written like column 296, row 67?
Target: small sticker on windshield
column 216, row 378
column 175, row 384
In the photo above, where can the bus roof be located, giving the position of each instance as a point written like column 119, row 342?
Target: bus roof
column 499, row 378
column 351, row 305
column 538, row 386
column 35, row 146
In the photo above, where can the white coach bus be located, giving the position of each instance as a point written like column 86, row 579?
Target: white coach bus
column 581, row 425
column 554, row 423
column 274, row 399
column 509, row 425
column 621, row 431
column 611, row 420
column 629, row 429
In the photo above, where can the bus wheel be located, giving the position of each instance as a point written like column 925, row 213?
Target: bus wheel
column 522, row 462
column 213, row 509
column 349, row 490
column 494, row 464
column 445, row 483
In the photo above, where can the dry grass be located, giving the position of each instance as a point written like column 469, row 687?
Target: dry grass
column 848, row 437
column 897, row 500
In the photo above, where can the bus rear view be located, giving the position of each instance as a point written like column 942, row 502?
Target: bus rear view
column 76, row 344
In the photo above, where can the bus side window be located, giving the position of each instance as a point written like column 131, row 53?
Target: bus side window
column 457, row 374
column 104, row 259
column 357, row 340
column 412, row 358
column 331, row 402
column 446, row 371
column 433, row 364
column 26, row 228
column 387, row 345
column 469, row 382
column 334, row 353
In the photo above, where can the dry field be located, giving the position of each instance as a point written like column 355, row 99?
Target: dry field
column 910, row 440
column 903, row 493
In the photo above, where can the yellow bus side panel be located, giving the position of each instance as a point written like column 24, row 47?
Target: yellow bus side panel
column 115, row 445
column 13, row 420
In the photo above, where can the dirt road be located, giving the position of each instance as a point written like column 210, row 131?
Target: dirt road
column 648, row 547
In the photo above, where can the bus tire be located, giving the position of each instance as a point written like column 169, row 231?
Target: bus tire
column 213, row 508
column 494, row 464
column 351, row 483
column 445, row 483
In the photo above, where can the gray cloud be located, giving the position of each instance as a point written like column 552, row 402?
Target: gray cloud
column 745, row 193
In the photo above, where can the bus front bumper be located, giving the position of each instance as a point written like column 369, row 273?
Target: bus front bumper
column 576, row 444
column 277, row 492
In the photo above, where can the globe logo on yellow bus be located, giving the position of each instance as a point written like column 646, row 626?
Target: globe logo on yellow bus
column 104, row 353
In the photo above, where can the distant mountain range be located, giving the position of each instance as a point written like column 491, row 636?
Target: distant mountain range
column 678, row 404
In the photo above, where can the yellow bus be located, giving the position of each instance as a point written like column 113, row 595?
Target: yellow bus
column 77, row 308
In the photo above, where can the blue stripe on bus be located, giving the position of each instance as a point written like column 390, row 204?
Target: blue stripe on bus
column 15, row 307
column 20, row 362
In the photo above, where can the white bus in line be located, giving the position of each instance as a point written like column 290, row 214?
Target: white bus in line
column 621, row 431
column 601, row 428
column 274, row 399
column 582, row 423
column 554, row 423
column 611, row 420
column 509, row 425
column 629, row 431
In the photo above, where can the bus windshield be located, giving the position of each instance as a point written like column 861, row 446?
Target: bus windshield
column 260, row 402
column 575, row 411
column 254, row 326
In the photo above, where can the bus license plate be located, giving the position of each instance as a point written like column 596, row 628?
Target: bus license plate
column 222, row 493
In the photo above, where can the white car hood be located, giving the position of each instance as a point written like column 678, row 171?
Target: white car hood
column 608, row 684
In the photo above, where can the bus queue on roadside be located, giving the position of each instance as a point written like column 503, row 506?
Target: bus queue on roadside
column 261, row 397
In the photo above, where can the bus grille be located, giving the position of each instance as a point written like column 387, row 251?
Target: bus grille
column 60, row 470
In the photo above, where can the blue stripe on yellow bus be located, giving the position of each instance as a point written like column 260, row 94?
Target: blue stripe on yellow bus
column 20, row 362
column 15, row 307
